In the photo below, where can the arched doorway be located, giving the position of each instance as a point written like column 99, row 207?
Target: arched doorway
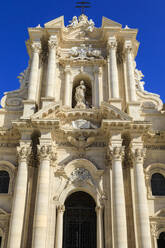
column 161, row 240
column 79, row 221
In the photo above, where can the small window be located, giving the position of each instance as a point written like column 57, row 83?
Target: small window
column 158, row 184
column 161, row 240
column 4, row 181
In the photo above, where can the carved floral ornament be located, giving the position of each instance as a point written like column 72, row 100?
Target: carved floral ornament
column 46, row 152
column 139, row 155
column 36, row 47
column 115, row 153
column 52, row 42
column 80, row 175
column 24, row 152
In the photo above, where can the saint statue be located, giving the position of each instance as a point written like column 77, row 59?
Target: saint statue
column 80, row 95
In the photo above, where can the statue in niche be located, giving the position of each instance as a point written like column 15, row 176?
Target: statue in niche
column 80, row 95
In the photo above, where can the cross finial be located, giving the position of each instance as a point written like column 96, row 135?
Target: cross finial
column 83, row 5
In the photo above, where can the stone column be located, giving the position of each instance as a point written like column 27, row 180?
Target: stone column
column 33, row 79
column 59, row 226
column 100, row 238
column 130, row 71
column 118, row 198
column 51, row 69
column 114, row 82
column 19, row 200
column 67, row 90
column 96, row 88
column 100, row 79
column 40, row 225
column 141, row 204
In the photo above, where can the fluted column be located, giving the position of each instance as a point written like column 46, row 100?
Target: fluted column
column 40, row 225
column 100, row 238
column 112, row 64
column 19, row 200
column 96, row 88
column 130, row 71
column 118, row 198
column 59, row 226
column 67, row 90
column 51, row 69
column 141, row 204
column 33, row 79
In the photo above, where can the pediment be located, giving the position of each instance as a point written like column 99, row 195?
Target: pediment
column 113, row 113
column 56, row 23
column 107, row 111
column 108, row 23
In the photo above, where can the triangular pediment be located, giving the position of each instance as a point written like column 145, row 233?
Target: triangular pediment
column 108, row 23
column 56, row 23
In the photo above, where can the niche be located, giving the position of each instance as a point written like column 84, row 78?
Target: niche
column 85, row 82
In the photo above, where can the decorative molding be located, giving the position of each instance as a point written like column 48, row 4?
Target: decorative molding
column 24, row 152
column 139, row 154
column 36, row 47
column 116, row 153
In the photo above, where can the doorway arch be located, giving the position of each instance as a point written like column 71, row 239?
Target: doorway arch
column 79, row 229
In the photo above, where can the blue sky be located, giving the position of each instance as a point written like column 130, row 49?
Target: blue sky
column 147, row 16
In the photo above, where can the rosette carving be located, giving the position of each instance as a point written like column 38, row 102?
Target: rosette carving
column 24, row 152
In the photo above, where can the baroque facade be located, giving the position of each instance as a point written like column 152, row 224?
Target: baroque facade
column 82, row 143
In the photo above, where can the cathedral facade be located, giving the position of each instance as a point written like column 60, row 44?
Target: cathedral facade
column 82, row 144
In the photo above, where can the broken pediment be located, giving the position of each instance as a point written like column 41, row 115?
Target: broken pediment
column 56, row 23
column 108, row 23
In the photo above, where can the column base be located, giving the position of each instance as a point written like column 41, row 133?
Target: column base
column 115, row 102
column 29, row 108
column 47, row 100
column 133, row 109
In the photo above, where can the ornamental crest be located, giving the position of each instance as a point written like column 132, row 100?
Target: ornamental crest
column 80, row 175
column 84, row 52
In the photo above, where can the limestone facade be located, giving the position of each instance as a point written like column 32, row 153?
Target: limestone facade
column 81, row 121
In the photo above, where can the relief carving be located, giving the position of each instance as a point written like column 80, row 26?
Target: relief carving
column 24, row 152
column 84, row 52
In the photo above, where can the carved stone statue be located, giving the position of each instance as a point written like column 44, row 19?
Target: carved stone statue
column 80, row 95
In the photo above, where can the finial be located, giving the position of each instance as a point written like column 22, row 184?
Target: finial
column 83, row 5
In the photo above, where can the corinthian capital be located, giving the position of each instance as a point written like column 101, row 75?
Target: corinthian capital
column 44, row 152
column 36, row 47
column 111, row 43
column 52, row 42
column 139, row 155
column 23, row 152
column 61, row 208
column 116, row 153
column 128, row 46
